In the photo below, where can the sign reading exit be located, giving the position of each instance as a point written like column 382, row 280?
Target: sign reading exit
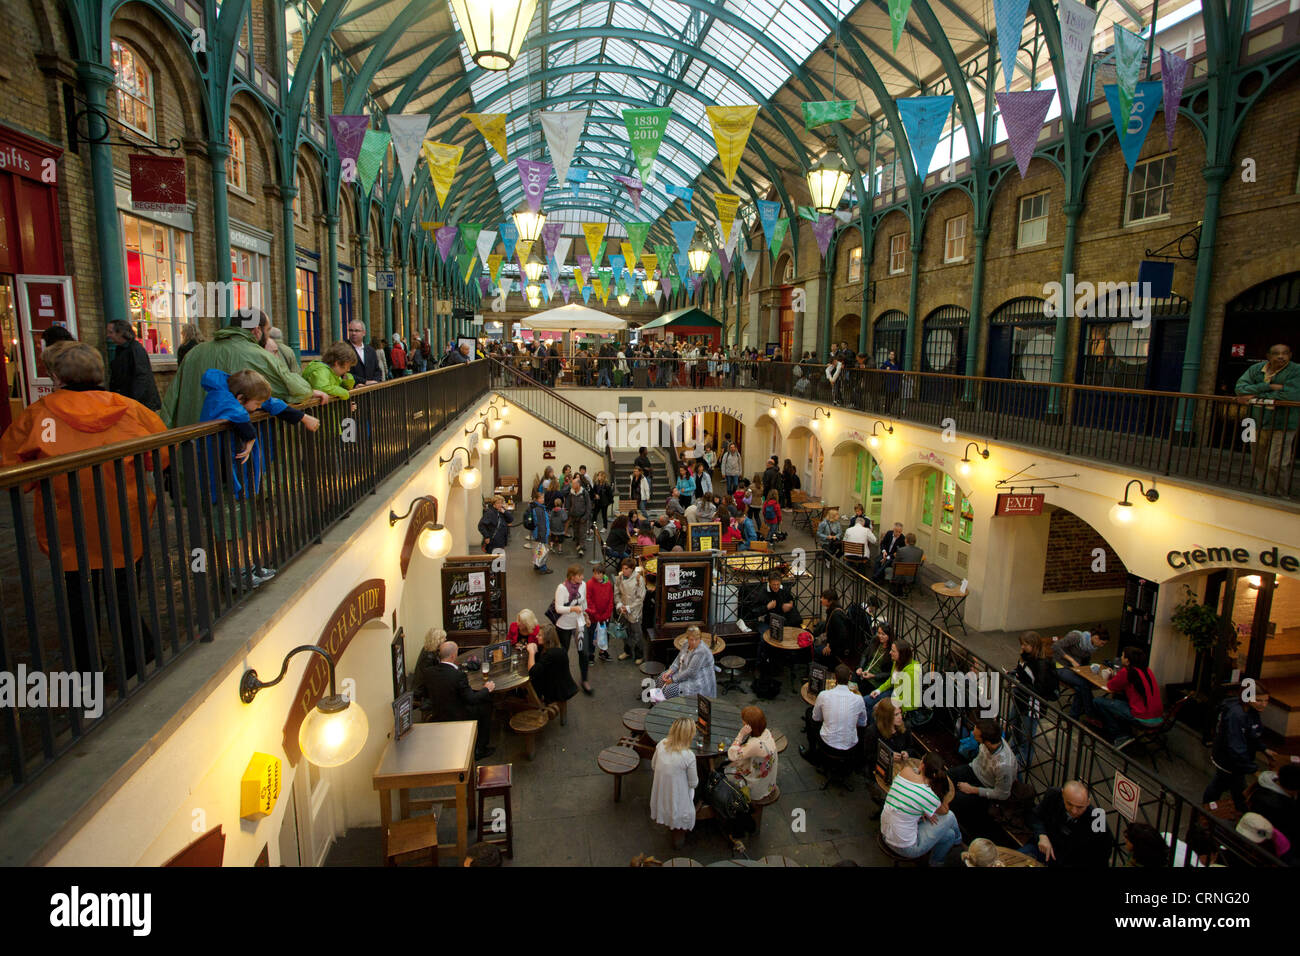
column 1019, row 505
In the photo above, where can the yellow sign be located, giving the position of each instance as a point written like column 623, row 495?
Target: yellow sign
column 494, row 265
column 629, row 255
column 443, row 160
column 706, row 544
column 493, row 128
column 259, row 787
column 726, row 204
column 731, row 128
column 595, row 232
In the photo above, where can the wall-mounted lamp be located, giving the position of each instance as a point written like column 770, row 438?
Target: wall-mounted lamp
column 335, row 730
column 485, row 444
column 493, row 417
column 819, row 411
column 964, row 467
column 468, row 475
column 435, row 540
column 776, row 404
column 1123, row 513
column 873, row 440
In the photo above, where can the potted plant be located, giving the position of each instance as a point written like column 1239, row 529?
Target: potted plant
column 1214, row 638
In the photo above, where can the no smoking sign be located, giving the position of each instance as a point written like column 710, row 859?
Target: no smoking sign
column 1127, row 794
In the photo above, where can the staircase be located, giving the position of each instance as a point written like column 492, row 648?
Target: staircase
column 547, row 405
column 622, row 463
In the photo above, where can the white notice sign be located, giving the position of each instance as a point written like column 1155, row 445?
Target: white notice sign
column 1127, row 794
column 477, row 582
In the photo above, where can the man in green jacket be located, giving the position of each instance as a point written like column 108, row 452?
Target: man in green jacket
column 232, row 349
column 1275, row 380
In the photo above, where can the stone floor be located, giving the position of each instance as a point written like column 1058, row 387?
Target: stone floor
column 564, row 810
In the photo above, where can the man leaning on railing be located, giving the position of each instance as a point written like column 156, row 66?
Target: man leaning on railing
column 1273, row 454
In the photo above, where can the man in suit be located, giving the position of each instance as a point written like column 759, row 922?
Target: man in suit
column 450, row 696
column 771, row 477
column 909, row 553
column 890, row 542
column 366, row 370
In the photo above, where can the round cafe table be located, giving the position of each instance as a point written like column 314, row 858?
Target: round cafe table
column 715, row 644
column 952, row 601
column 810, row 698
column 509, row 675
column 788, row 647
column 724, row 724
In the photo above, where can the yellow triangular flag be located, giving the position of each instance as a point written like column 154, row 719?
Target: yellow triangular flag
column 651, row 263
column 595, row 232
column 726, row 205
column 578, row 280
column 431, row 226
column 494, row 265
column 524, row 249
column 443, row 160
column 493, row 128
column 731, row 127
column 598, row 287
column 629, row 255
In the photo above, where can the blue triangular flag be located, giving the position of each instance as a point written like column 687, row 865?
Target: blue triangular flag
column 1147, row 98
column 684, row 232
column 768, row 210
column 683, row 193
column 1010, row 18
column 509, row 236
column 577, row 177
column 923, row 118
column 586, row 292
column 683, row 266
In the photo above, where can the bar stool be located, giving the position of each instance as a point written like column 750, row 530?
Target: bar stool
column 494, row 780
column 732, row 666
column 413, row 835
column 897, row 859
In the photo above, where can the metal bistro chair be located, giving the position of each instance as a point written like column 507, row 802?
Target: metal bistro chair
column 1156, row 737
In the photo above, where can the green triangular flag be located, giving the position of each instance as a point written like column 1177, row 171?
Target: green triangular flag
column 469, row 235
column 820, row 112
column 600, row 255
column 637, row 233
column 645, row 131
column 1129, row 48
column 466, row 262
column 677, row 283
column 805, row 212
column 898, row 18
column 665, row 254
column 640, row 292
column 778, row 234
column 374, row 149
column 715, row 265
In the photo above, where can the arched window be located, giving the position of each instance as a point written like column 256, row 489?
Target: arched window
column 1021, row 341
column 891, row 328
column 943, row 341
column 236, row 167
column 134, row 86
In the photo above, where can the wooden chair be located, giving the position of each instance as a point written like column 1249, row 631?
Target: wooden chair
column 904, row 579
column 643, row 551
column 729, row 547
column 856, row 554
column 760, row 546
column 798, row 496
column 404, row 838
column 494, row 780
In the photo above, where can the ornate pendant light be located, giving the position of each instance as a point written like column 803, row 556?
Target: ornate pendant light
column 494, row 30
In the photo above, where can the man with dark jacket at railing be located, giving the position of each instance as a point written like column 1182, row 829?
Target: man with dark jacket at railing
column 1065, row 829
column 666, row 366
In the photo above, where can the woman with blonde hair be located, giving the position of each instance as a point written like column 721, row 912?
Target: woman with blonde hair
column 672, row 795
column 691, row 671
column 981, row 852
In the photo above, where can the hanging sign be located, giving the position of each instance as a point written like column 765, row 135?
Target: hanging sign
column 493, row 128
column 1009, row 504
column 645, row 131
column 158, row 183
column 731, row 128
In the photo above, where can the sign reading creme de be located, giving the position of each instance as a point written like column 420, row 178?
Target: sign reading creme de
column 365, row 603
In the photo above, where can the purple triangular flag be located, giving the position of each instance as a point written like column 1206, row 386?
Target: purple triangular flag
column 1023, row 114
column 445, row 237
column 550, row 236
column 726, row 263
column 634, row 187
column 823, row 229
column 1173, row 73
column 534, row 176
column 349, row 133
column 584, row 263
column 565, row 291
column 484, row 283
column 696, row 282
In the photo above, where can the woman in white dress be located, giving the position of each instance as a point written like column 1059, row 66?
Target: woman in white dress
column 672, row 795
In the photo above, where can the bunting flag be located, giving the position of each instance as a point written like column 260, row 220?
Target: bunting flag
column 494, row 265
column 467, row 261
column 446, row 237
column 595, row 233
column 1009, row 15
column 1131, row 135
column 1173, row 73
column 487, row 241
column 696, row 283
column 683, row 265
column 483, row 286
column 726, row 206
column 443, row 160
column 586, row 293
column 374, row 150
column 733, row 238
column 600, row 251
column 629, row 254
column 725, row 262
column 683, row 232
column 562, row 249
column 823, row 229
column 577, row 178
column 348, row 132
column 778, row 235
column 1077, row 24
column 640, row 292
column 506, row 284
column 551, row 235
column 509, row 236
column 637, row 234
column 659, row 296
column 633, row 188
column 645, row 131
column 553, row 270
column 750, row 260
column 731, row 128
column 683, row 193
column 820, row 112
column 618, row 265
column 1023, row 113
column 676, row 283
column 584, row 263
column 431, row 227
column 563, row 129
column 715, row 265
column 408, row 133
column 923, row 118
column 1128, row 65
column 738, row 263
column 807, row 212
column 578, row 278
column 898, row 18
column 493, row 128
column 469, row 233
column 768, row 210
column 534, row 176
column 524, row 249
column 565, row 291
column 664, row 256
column 598, row 287
column 650, row 262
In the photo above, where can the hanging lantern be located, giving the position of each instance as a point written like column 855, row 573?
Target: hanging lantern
column 533, row 269
column 494, row 30
column 529, row 224
column 534, row 293
column 698, row 257
column 827, row 180
column 624, row 299
column 651, row 286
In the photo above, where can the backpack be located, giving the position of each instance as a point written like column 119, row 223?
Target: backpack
column 769, row 512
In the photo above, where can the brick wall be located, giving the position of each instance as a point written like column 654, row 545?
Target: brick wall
column 1071, row 542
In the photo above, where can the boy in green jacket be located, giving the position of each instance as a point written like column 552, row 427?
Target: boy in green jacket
column 1276, row 380
column 331, row 373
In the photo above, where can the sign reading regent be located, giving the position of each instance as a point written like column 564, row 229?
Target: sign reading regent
column 1019, row 505
column 365, row 603
column 1270, row 558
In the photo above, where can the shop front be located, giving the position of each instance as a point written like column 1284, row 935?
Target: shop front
column 940, row 514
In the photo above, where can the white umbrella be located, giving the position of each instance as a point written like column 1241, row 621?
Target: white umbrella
column 575, row 318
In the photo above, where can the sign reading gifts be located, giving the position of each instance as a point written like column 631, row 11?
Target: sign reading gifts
column 1019, row 505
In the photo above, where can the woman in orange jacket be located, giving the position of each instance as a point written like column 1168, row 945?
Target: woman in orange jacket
column 80, row 415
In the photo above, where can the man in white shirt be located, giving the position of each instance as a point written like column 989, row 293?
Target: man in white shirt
column 860, row 534
column 832, row 722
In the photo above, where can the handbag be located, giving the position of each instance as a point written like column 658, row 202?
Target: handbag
column 728, row 802
column 804, row 639
column 616, row 630
column 553, row 615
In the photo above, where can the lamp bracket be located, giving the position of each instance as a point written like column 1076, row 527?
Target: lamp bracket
column 1008, row 484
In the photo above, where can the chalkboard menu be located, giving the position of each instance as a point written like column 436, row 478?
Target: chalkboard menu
column 703, row 714
column 884, row 763
column 399, row 664
column 685, row 584
column 473, row 599
column 816, row 678
column 704, row 536
column 403, row 711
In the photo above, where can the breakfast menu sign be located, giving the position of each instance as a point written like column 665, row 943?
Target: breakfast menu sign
column 685, row 584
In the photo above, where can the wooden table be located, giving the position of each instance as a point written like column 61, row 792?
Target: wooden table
column 724, row 724
column 810, row 698
column 807, row 509
column 505, row 677
column 437, row 754
column 952, row 601
column 789, row 646
column 712, row 642
column 1085, row 671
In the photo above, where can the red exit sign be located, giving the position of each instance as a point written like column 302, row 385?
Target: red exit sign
column 1019, row 505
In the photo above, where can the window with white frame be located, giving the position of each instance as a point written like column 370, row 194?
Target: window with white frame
column 157, row 272
column 1033, row 220
column 855, row 265
column 134, row 86
column 236, row 167
column 954, row 239
column 897, row 253
column 1150, row 190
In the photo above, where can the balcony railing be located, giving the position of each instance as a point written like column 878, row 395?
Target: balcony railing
column 1212, row 439
column 182, row 529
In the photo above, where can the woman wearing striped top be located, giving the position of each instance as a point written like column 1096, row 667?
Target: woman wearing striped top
column 915, row 820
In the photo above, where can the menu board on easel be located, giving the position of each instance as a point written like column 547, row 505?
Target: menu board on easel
column 473, row 599
column 685, row 584
column 704, row 536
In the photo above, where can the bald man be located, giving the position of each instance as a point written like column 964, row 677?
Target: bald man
column 1068, row 830
column 451, row 698
column 1275, row 380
